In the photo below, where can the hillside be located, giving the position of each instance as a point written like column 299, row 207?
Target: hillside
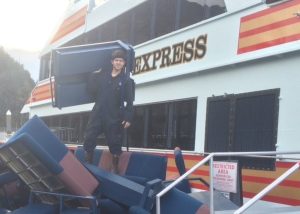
column 15, row 87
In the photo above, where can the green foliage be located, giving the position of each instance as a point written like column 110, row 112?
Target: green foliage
column 15, row 86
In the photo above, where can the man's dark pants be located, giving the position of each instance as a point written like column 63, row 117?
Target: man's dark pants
column 97, row 125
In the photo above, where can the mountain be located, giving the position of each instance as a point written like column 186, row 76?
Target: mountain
column 15, row 87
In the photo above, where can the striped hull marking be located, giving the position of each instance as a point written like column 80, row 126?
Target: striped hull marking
column 287, row 192
column 70, row 24
column 270, row 27
column 42, row 92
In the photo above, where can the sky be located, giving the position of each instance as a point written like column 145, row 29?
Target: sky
column 26, row 26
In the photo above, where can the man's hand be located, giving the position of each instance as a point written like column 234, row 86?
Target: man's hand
column 125, row 124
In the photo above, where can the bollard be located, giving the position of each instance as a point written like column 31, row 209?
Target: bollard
column 8, row 122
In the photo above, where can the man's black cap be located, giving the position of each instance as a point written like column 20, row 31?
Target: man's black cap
column 118, row 54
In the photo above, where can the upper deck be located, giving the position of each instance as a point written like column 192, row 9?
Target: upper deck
column 231, row 34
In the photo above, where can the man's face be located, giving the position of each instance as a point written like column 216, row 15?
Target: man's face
column 118, row 63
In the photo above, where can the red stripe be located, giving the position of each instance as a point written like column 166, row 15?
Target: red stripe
column 269, row 27
column 201, row 172
column 41, row 95
column 170, row 156
column 276, row 199
column 172, row 169
column 269, row 43
column 284, row 164
column 193, row 157
column 197, row 172
column 271, row 10
column 64, row 30
column 199, row 186
column 40, row 99
column 70, row 24
column 41, row 88
column 38, row 92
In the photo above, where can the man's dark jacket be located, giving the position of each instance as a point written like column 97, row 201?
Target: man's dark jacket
column 114, row 96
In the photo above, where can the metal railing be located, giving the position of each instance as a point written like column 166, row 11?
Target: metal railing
column 210, row 158
column 65, row 134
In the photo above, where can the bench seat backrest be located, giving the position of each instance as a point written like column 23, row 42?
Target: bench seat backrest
column 131, row 164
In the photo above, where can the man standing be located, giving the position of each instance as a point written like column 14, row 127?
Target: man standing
column 113, row 109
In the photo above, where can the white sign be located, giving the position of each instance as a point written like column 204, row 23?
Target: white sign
column 225, row 176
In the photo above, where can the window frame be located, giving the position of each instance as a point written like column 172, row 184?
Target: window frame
column 232, row 114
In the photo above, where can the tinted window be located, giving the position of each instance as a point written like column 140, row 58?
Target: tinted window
column 217, row 125
column 164, row 125
column 94, row 36
column 44, row 67
column 165, row 17
column 108, row 31
column 243, row 122
column 193, row 11
column 158, row 126
column 184, row 124
column 136, row 136
column 142, row 22
column 124, row 27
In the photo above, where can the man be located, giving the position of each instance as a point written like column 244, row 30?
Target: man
column 113, row 109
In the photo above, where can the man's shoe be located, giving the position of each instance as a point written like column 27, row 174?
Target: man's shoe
column 88, row 156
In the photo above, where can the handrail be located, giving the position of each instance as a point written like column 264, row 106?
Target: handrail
column 267, row 189
column 178, row 180
column 210, row 158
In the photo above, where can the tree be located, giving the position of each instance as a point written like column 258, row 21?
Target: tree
column 15, row 87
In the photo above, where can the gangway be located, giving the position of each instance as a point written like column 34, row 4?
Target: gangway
column 251, row 202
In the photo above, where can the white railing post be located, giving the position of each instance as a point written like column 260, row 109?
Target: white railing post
column 178, row 180
column 211, row 184
column 157, row 204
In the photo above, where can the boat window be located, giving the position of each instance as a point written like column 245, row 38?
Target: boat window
column 44, row 67
column 108, row 31
column 193, row 11
column 142, row 22
column 241, row 123
column 124, row 28
column 136, row 136
column 165, row 17
column 94, row 36
column 164, row 125
column 68, row 128
column 155, row 18
column 158, row 126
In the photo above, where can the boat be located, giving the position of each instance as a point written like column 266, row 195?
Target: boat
column 221, row 80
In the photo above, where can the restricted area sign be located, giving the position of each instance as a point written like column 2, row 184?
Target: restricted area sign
column 225, row 176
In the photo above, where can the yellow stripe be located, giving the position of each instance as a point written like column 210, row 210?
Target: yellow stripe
column 272, row 174
column 171, row 163
column 249, row 172
column 270, row 18
column 270, row 35
column 285, row 192
column 191, row 163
